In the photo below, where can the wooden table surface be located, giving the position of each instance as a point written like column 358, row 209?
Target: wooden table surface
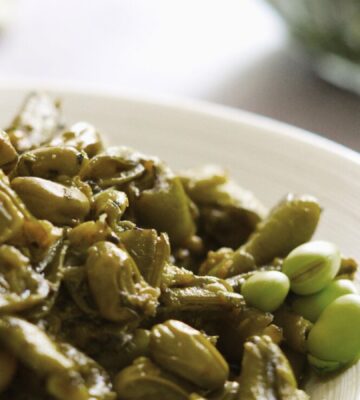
column 233, row 52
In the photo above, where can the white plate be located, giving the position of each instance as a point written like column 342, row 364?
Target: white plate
column 265, row 156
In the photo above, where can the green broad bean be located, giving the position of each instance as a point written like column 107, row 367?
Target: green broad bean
column 334, row 340
column 187, row 353
column 310, row 307
column 311, row 266
column 266, row 290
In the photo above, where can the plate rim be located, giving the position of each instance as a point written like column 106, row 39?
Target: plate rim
column 190, row 105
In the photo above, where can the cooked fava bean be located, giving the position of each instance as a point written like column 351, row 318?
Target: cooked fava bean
column 50, row 162
column 228, row 213
column 150, row 252
column 291, row 223
column 112, row 203
column 213, row 296
column 8, row 154
column 20, row 287
column 18, row 227
column 196, row 180
column 266, row 373
column 226, row 263
column 49, row 200
column 32, row 346
column 70, row 374
column 115, row 166
column 311, row 266
column 86, row 234
column 295, row 328
column 119, row 289
column 11, row 218
column 167, row 208
column 187, row 353
column 88, row 380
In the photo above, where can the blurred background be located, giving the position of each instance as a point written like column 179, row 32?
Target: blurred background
column 233, row 52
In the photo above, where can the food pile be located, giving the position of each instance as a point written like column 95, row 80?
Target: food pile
column 122, row 280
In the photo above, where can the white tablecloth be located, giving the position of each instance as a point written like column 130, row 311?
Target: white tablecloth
column 233, row 52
